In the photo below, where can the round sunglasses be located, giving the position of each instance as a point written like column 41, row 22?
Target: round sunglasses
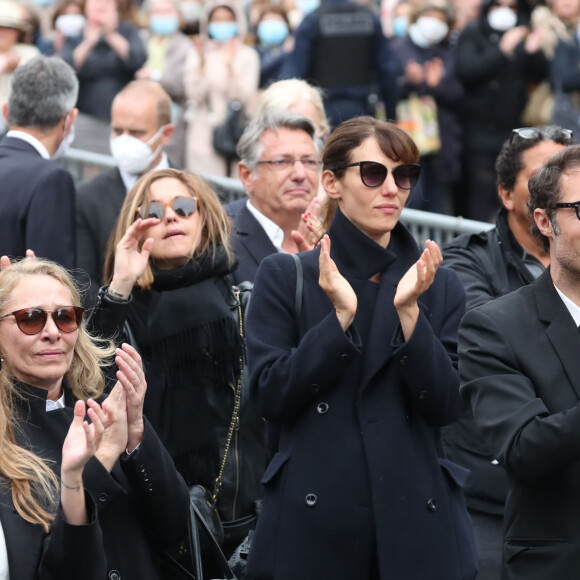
column 373, row 174
column 182, row 206
column 33, row 320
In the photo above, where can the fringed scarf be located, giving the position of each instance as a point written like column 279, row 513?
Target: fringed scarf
column 188, row 334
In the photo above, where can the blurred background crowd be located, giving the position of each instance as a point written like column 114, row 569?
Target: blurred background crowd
column 468, row 71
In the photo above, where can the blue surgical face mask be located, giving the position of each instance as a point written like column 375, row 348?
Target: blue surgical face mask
column 44, row 2
column 164, row 25
column 307, row 6
column 272, row 32
column 400, row 25
column 222, row 31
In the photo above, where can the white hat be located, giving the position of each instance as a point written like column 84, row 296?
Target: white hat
column 11, row 15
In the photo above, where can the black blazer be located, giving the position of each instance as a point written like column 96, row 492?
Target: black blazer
column 67, row 553
column 520, row 369
column 99, row 202
column 359, row 462
column 37, row 204
column 142, row 504
column 250, row 242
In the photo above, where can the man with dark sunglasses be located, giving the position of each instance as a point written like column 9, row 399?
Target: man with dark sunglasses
column 520, row 372
column 491, row 264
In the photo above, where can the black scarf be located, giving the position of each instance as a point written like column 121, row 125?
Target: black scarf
column 187, row 331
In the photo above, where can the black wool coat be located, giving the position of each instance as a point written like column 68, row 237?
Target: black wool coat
column 359, row 459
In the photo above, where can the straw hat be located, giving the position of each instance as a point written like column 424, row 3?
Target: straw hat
column 11, row 15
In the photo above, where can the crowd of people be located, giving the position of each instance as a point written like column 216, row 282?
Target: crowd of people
column 479, row 66
column 378, row 409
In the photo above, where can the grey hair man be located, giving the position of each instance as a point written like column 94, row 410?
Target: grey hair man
column 37, row 197
column 279, row 168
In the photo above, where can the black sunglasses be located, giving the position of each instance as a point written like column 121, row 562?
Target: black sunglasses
column 33, row 320
column 373, row 174
column 574, row 204
column 536, row 132
column 182, row 206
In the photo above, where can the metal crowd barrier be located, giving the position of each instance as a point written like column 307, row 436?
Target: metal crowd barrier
column 423, row 225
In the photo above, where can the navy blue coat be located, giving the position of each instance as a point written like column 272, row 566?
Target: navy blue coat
column 359, row 458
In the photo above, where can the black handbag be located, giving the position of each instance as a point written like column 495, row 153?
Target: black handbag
column 200, row 557
column 227, row 135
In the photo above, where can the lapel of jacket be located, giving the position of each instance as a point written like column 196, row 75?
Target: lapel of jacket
column 358, row 257
column 252, row 236
column 561, row 330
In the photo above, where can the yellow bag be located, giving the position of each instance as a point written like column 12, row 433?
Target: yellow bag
column 417, row 116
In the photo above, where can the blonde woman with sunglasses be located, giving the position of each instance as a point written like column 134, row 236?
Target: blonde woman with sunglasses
column 121, row 501
column 167, row 290
column 359, row 382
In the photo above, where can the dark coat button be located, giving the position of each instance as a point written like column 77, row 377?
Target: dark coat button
column 345, row 358
column 322, row 408
column 404, row 360
column 114, row 575
column 311, row 500
column 423, row 395
column 315, row 388
column 103, row 497
column 432, row 505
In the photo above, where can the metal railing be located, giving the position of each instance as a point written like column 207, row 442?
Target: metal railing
column 423, row 225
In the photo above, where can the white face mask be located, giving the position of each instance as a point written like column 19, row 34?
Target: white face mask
column 66, row 142
column 133, row 155
column 70, row 24
column 502, row 18
column 432, row 29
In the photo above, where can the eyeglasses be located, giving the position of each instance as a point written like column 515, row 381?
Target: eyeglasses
column 284, row 164
column 574, row 204
column 182, row 206
column 33, row 320
column 535, row 133
column 373, row 174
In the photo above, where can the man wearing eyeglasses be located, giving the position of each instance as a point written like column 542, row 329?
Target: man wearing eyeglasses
column 490, row 265
column 279, row 169
column 520, row 370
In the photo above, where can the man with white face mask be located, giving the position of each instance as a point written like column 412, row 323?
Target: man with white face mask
column 498, row 57
column 37, row 195
column 140, row 130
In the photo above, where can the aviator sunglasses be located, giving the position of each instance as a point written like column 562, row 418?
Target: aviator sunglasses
column 182, row 206
column 33, row 320
column 373, row 174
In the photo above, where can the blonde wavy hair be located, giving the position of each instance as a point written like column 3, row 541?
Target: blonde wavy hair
column 34, row 485
column 214, row 222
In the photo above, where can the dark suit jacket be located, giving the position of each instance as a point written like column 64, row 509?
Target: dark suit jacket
column 37, row 204
column 99, row 202
column 142, row 504
column 66, row 554
column 520, row 369
column 250, row 242
column 359, row 462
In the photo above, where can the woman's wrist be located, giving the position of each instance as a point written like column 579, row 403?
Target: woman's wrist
column 120, row 289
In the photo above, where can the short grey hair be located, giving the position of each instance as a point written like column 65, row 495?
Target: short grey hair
column 250, row 149
column 43, row 91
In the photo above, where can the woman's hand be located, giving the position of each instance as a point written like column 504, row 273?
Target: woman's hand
column 115, row 438
column 5, row 260
column 132, row 379
column 310, row 231
column 336, row 286
column 82, row 440
column 130, row 260
column 81, row 443
column 413, row 284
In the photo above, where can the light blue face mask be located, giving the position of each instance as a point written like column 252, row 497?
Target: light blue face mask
column 400, row 25
column 44, row 2
column 164, row 25
column 272, row 32
column 307, row 6
column 222, row 31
